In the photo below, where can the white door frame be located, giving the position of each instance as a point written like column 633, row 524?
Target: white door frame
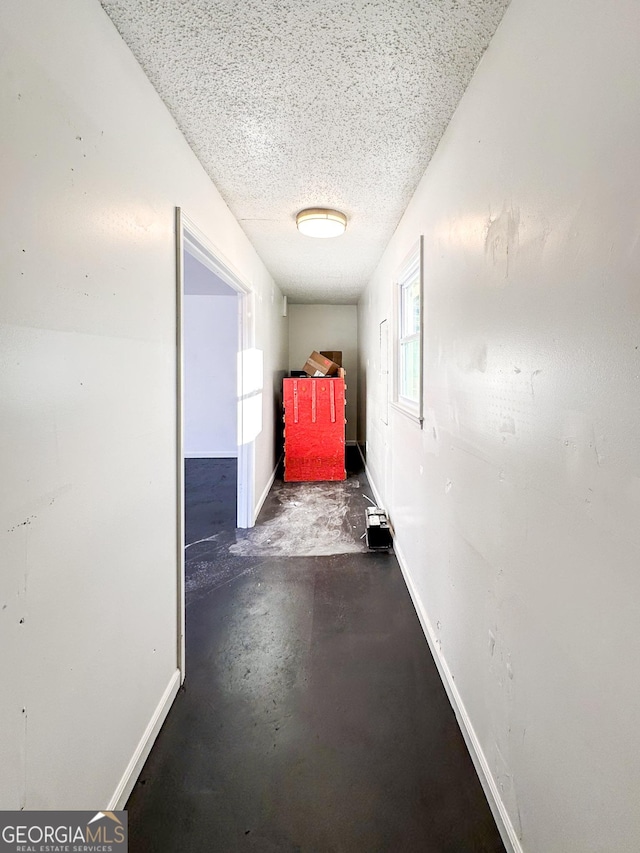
column 191, row 239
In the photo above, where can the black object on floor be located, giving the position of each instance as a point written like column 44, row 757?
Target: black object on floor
column 378, row 532
column 313, row 718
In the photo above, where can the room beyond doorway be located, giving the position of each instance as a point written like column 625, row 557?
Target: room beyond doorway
column 210, row 329
column 214, row 351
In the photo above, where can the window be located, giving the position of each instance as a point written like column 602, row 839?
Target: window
column 409, row 326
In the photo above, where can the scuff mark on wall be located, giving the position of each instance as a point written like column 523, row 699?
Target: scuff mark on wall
column 24, row 523
column 23, row 792
column 492, row 644
column 597, row 442
column 533, row 376
column 518, row 827
column 502, row 239
column 473, row 358
column 32, row 507
column 508, row 426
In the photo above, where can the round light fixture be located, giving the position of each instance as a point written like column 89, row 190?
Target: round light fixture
column 320, row 222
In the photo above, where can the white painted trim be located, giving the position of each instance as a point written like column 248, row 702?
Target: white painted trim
column 413, row 262
column 497, row 806
column 212, row 454
column 191, row 239
column 180, row 521
column 408, row 413
column 246, row 516
column 196, row 243
column 374, row 488
column 267, row 489
column 492, row 793
column 130, row 776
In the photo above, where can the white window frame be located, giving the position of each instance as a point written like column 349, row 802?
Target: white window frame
column 413, row 266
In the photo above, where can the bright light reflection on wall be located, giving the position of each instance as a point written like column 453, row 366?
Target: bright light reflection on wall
column 466, row 232
column 251, row 369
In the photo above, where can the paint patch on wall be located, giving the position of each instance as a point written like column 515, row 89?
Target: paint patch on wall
column 502, row 240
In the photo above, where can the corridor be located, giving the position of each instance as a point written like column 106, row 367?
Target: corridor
column 313, row 718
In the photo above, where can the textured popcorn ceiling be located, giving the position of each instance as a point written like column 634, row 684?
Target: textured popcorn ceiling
column 291, row 104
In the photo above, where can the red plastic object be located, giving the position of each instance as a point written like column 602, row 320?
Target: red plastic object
column 313, row 429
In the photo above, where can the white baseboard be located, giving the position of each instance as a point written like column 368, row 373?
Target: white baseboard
column 130, row 776
column 211, row 454
column 498, row 809
column 374, row 488
column 267, row 489
column 492, row 793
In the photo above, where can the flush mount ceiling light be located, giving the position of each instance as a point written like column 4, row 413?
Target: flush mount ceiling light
column 320, row 222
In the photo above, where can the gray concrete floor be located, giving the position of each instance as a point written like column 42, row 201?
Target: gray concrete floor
column 313, row 718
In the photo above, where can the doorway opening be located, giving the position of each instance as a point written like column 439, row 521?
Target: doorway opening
column 215, row 352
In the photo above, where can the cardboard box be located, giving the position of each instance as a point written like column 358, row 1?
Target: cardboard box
column 335, row 355
column 318, row 365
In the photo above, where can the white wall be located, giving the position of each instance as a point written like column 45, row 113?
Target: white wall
column 516, row 507
column 327, row 327
column 92, row 168
column 210, row 376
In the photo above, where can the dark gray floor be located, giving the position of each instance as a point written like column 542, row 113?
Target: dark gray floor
column 313, row 718
column 210, row 497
